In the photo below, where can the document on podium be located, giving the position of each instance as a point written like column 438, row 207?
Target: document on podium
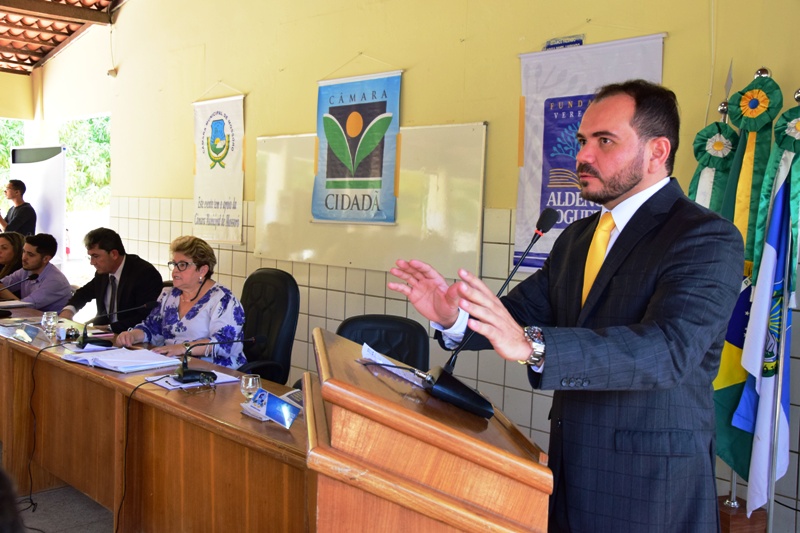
column 122, row 360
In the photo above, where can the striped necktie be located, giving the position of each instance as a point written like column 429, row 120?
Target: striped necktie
column 597, row 252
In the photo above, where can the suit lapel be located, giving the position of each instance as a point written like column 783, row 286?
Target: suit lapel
column 643, row 221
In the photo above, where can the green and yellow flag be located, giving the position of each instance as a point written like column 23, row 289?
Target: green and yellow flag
column 752, row 110
column 714, row 148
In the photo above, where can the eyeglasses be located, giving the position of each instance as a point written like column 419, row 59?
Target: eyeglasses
column 180, row 265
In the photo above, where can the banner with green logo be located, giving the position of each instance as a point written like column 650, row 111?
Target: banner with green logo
column 219, row 169
column 358, row 123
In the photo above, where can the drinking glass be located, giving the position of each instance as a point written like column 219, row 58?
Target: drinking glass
column 49, row 323
column 249, row 384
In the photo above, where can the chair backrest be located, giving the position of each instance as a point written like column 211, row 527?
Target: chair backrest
column 271, row 301
column 398, row 337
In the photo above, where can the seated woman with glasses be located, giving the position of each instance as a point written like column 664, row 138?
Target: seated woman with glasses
column 195, row 310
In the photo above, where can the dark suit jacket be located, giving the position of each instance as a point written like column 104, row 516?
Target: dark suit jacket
column 139, row 283
column 632, row 421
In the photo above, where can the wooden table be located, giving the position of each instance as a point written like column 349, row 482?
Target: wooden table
column 175, row 461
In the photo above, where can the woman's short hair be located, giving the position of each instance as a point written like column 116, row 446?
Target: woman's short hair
column 17, row 241
column 201, row 253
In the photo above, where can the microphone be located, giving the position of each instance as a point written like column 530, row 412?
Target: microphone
column 5, row 313
column 441, row 383
column 185, row 375
column 20, row 282
column 85, row 339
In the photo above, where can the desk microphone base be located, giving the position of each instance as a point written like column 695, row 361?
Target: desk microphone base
column 448, row 388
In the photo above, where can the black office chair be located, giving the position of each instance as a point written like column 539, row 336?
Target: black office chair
column 398, row 337
column 271, row 302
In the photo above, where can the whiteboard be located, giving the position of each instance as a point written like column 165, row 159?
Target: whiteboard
column 439, row 206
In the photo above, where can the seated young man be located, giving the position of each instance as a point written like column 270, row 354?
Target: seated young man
column 50, row 290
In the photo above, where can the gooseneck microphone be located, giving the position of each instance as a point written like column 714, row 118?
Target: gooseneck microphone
column 185, row 375
column 23, row 280
column 85, row 339
column 5, row 313
column 441, row 383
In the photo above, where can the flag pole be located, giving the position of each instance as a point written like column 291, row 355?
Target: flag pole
column 731, row 501
column 777, row 395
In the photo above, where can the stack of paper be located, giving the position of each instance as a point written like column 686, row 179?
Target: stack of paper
column 122, row 359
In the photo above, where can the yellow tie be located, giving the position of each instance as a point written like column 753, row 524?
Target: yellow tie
column 597, row 252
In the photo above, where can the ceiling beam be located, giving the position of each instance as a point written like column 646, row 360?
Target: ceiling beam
column 23, row 40
column 15, row 71
column 58, row 49
column 20, row 51
column 56, row 11
column 16, row 62
column 22, row 27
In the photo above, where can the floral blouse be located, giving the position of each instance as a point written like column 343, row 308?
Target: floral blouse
column 217, row 316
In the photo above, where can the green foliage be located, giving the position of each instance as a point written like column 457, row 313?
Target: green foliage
column 88, row 155
column 11, row 135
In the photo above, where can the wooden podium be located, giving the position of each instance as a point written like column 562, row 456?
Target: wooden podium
column 384, row 455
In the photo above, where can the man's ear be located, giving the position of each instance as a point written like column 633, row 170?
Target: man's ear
column 46, row 259
column 660, row 149
column 114, row 254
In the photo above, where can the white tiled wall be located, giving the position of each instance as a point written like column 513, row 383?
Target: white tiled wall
column 329, row 294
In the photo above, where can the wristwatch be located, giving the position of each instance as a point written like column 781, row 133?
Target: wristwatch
column 534, row 336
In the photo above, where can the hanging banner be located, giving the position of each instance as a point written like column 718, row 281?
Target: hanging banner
column 557, row 86
column 358, row 120
column 219, row 169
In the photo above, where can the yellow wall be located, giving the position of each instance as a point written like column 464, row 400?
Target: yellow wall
column 460, row 59
column 17, row 96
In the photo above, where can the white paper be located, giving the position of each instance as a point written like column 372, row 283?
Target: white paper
column 368, row 353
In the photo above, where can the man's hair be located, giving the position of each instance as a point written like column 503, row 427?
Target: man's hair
column 196, row 248
column 656, row 113
column 105, row 239
column 44, row 243
column 17, row 185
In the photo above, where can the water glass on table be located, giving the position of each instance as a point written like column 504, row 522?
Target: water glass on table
column 249, row 385
column 49, row 323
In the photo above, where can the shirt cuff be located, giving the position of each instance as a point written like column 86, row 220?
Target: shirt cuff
column 453, row 335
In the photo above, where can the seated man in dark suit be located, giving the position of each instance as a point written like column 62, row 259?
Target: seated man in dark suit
column 121, row 282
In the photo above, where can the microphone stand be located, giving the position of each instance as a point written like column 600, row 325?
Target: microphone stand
column 85, row 339
column 185, row 375
column 441, row 383
column 5, row 313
